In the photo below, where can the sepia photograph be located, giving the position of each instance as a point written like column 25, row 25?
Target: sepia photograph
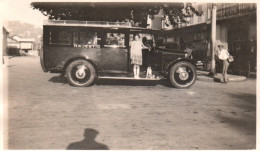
column 130, row 75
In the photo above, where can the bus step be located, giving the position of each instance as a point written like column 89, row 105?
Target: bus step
column 129, row 78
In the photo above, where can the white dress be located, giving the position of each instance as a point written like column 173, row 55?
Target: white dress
column 136, row 52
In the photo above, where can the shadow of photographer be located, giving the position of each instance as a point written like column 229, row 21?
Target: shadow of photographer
column 88, row 143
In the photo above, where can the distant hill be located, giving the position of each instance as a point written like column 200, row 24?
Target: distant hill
column 24, row 30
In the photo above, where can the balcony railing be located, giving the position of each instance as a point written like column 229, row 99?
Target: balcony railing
column 239, row 9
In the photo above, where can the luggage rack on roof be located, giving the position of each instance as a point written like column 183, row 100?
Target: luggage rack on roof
column 87, row 23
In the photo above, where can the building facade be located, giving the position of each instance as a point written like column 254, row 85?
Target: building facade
column 23, row 46
column 236, row 29
column 4, row 41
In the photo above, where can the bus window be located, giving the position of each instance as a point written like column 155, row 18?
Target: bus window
column 114, row 40
column 86, row 39
column 60, row 37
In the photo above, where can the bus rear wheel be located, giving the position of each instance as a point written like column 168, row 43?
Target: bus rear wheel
column 80, row 73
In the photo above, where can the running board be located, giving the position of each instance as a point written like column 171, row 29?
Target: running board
column 130, row 78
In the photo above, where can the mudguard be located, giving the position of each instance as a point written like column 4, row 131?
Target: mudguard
column 68, row 61
column 168, row 67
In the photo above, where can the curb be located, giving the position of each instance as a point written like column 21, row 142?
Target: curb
column 231, row 78
column 203, row 76
column 205, row 79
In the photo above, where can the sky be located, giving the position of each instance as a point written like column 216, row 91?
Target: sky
column 21, row 10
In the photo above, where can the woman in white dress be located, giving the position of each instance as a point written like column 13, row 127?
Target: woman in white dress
column 136, row 55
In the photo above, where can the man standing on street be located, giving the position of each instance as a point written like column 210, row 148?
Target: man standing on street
column 223, row 55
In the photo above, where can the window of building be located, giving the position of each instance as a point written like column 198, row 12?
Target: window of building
column 220, row 5
column 170, row 39
column 203, row 36
column 114, row 40
column 61, row 37
column 196, row 37
column 187, row 38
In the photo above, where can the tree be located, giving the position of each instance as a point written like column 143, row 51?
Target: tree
column 136, row 13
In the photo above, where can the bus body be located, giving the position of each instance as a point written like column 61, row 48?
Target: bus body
column 102, row 49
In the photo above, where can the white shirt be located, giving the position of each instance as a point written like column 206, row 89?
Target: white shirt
column 223, row 54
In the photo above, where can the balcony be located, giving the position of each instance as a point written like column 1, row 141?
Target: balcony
column 236, row 10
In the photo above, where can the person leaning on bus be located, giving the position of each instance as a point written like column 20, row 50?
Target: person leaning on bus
column 188, row 51
column 223, row 55
column 136, row 55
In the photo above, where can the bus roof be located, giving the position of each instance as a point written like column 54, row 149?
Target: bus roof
column 103, row 24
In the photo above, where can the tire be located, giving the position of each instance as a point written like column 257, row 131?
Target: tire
column 80, row 73
column 182, row 75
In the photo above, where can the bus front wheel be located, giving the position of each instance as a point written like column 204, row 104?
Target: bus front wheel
column 182, row 75
column 80, row 73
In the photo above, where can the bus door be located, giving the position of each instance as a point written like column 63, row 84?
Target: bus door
column 114, row 52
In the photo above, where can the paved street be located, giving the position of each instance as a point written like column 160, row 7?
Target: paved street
column 45, row 112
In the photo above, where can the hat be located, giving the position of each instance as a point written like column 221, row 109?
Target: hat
column 90, row 133
column 220, row 44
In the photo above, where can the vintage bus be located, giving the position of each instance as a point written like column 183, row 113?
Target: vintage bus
column 85, row 51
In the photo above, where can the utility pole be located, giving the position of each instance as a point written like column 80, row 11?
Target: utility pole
column 213, row 38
